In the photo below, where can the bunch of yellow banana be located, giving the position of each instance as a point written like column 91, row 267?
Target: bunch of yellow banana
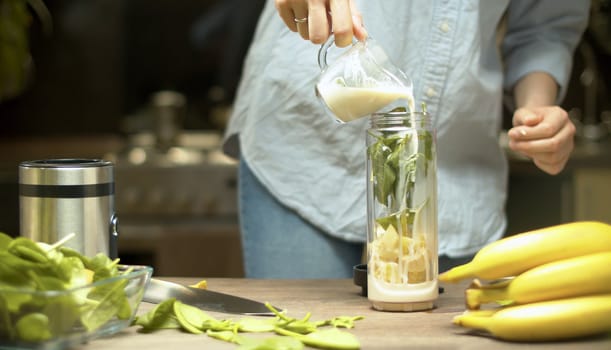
column 544, row 321
column 555, row 284
column 515, row 254
column 583, row 275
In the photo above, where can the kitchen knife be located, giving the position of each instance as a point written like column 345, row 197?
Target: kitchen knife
column 159, row 291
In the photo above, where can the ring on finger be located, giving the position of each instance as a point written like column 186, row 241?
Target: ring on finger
column 300, row 20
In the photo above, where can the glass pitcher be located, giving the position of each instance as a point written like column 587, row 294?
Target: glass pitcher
column 402, row 264
column 361, row 81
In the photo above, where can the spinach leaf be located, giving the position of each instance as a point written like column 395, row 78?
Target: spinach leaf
column 5, row 240
column 227, row 336
column 27, row 267
column 6, row 326
column 299, row 331
column 33, row 327
column 107, row 300
column 160, row 317
column 189, row 317
column 272, row 343
column 255, row 325
column 332, row 338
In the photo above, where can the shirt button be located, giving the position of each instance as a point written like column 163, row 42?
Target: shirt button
column 444, row 26
column 430, row 92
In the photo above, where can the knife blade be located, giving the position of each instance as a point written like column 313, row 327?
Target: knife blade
column 160, row 290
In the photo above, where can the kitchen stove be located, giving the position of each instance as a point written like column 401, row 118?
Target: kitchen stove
column 177, row 207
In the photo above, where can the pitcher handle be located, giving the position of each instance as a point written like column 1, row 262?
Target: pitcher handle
column 322, row 52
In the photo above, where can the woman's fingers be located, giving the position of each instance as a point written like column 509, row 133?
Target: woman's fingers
column 314, row 20
column 357, row 22
column 287, row 8
column 318, row 21
column 342, row 22
column 546, row 135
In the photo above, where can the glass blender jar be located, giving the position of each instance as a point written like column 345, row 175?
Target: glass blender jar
column 402, row 265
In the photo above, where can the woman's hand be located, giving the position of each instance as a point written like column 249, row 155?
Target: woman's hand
column 541, row 130
column 544, row 134
column 315, row 19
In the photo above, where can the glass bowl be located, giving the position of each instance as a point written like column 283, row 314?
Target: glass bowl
column 59, row 319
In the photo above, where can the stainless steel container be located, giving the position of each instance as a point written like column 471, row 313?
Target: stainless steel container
column 58, row 197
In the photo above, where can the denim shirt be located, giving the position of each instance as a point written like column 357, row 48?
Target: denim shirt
column 460, row 69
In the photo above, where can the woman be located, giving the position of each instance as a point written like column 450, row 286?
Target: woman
column 302, row 176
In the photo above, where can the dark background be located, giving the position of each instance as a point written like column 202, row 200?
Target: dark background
column 94, row 75
column 105, row 58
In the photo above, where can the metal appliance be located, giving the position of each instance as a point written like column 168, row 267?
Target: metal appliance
column 61, row 197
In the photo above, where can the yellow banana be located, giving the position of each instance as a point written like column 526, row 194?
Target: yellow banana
column 583, row 275
column 515, row 254
column 546, row 320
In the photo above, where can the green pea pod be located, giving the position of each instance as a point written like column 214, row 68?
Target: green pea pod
column 303, row 326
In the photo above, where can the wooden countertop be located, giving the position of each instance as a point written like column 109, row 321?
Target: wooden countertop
column 329, row 298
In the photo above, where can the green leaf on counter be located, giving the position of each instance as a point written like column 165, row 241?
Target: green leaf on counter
column 303, row 326
column 302, row 331
column 189, row 317
column 332, row 338
column 344, row 321
column 272, row 343
column 160, row 317
column 256, row 325
column 227, row 336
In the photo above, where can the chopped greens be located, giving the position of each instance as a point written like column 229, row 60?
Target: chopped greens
column 28, row 269
column 295, row 333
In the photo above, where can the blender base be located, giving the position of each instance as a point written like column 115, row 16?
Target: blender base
column 402, row 307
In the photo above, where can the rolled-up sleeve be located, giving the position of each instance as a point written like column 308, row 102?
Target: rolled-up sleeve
column 542, row 36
